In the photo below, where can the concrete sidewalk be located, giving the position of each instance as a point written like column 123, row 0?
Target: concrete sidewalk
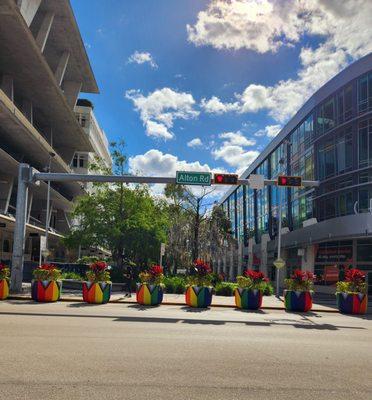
column 269, row 302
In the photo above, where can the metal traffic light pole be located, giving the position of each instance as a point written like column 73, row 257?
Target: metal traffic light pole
column 28, row 177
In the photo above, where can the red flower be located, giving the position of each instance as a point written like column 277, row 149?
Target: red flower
column 3, row 266
column 98, row 266
column 156, row 270
column 47, row 267
column 201, row 267
column 354, row 275
column 302, row 276
column 256, row 276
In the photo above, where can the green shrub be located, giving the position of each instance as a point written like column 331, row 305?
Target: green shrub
column 175, row 284
column 72, row 275
column 269, row 289
column 225, row 288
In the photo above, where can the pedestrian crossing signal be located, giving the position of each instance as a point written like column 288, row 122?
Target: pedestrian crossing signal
column 225, row 179
column 289, row 181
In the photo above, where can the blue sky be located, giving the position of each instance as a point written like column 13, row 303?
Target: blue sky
column 258, row 60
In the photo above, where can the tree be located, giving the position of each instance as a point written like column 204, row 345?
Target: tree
column 127, row 221
column 188, row 211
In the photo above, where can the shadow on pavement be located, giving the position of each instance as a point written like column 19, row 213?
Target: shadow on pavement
column 268, row 323
column 194, row 309
column 141, row 307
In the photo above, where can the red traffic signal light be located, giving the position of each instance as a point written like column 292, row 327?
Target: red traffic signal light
column 225, row 179
column 289, row 181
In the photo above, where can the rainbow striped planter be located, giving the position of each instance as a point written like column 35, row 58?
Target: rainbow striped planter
column 97, row 292
column 298, row 301
column 4, row 289
column 46, row 291
column 149, row 295
column 352, row 303
column 199, row 296
column 248, row 299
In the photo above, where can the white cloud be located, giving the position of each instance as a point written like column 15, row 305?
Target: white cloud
column 269, row 131
column 236, row 138
column 142, row 58
column 159, row 109
column 344, row 28
column 259, row 25
column 215, row 106
column 157, row 130
column 195, row 143
column 156, row 163
column 235, row 156
column 233, row 150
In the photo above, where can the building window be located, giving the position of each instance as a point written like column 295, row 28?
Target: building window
column 75, row 161
column 365, row 93
column 344, row 151
column 365, row 143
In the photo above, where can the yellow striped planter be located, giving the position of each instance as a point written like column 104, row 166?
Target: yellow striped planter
column 198, row 296
column 4, row 289
column 97, row 292
column 149, row 295
column 46, row 291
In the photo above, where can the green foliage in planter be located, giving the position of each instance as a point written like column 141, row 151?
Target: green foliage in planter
column 98, row 272
column 4, row 271
column 47, row 272
column 225, row 288
column 72, row 275
column 174, row 284
column 354, row 282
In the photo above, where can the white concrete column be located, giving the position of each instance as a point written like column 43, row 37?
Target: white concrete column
column 61, row 68
column 7, row 86
column 231, row 259
column 264, row 239
column 308, row 259
column 250, row 253
column 28, row 9
column 27, row 110
column 29, row 206
column 240, row 258
column 72, row 90
column 43, row 34
column 6, row 188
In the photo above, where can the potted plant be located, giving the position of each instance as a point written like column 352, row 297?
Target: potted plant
column 46, row 285
column 251, row 285
column 298, row 295
column 97, row 287
column 351, row 294
column 150, row 288
column 199, row 285
column 4, row 281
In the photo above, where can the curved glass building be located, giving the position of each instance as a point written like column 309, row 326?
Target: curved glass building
column 327, row 228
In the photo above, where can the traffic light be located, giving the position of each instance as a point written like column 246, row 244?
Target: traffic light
column 289, row 181
column 225, row 179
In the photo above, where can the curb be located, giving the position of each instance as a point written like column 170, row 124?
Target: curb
column 170, row 303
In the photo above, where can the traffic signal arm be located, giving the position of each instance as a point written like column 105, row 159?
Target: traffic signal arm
column 225, row 179
column 289, row 181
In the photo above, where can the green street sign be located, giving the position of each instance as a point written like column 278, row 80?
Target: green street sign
column 279, row 263
column 193, row 178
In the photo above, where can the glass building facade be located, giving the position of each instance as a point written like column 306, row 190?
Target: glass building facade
column 331, row 143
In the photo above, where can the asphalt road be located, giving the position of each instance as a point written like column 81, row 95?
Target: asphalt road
column 117, row 351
